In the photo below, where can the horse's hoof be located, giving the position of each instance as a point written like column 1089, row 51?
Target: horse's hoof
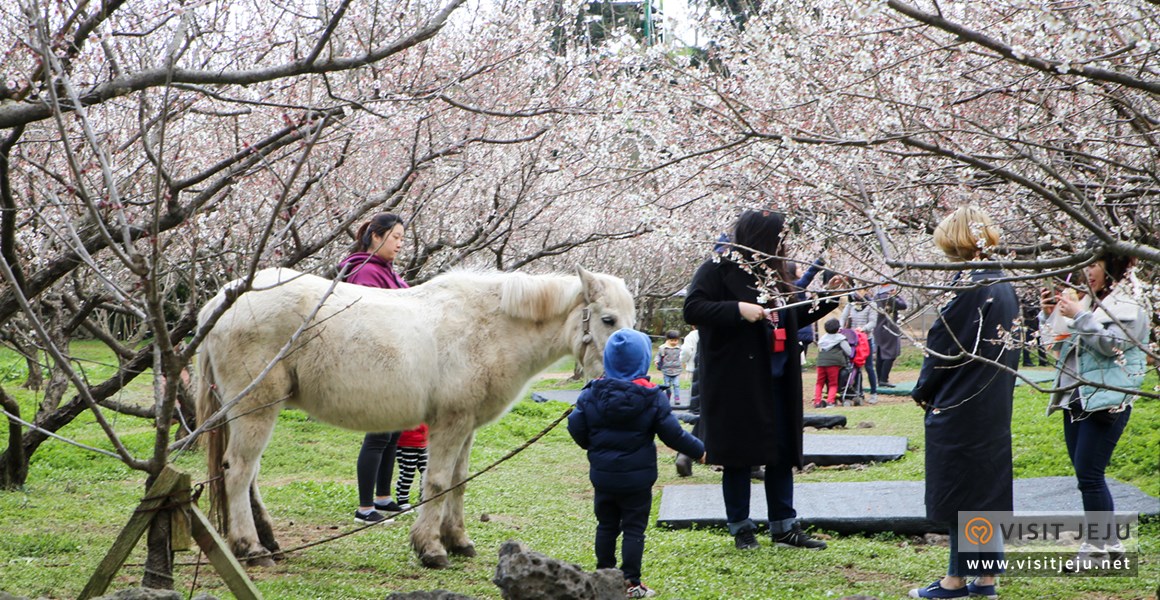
column 435, row 561
column 264, row 561
column 468, row 550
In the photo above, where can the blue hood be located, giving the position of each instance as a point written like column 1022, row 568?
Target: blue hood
column 627, row 355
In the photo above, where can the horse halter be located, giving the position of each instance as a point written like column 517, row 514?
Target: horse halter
column 586, row 319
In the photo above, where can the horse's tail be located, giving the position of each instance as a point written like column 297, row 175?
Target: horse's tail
column 215, row 441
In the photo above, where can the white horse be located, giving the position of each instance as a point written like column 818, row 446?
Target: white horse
column 454, row 352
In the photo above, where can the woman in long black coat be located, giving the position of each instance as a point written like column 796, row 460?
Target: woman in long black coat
column 750, row 384
column 966, row 393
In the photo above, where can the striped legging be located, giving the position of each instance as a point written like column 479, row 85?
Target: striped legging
column 411, row 460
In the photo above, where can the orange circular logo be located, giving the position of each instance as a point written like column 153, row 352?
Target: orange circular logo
column 978, row 531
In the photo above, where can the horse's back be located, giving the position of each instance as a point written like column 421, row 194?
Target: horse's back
column 357, row 363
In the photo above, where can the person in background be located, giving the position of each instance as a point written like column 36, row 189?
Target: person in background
column 750, row 374
column 834, row 352
column 616, row 419
column 805, row 277
column 669, row 364
column 860, row 314
column 372, row 264
column 1033, row 348
column 689, row 351
column 887, row 333
column 1100, row 357
column 966, row 398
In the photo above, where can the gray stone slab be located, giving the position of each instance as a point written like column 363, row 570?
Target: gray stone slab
column 873, row 506
column 904, row 388
column 831, row 449
column 570, row 396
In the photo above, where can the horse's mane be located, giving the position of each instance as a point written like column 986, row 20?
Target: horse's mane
column 523, row 296
column 538, row 297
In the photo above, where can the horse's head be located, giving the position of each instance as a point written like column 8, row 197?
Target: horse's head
column 607, row 306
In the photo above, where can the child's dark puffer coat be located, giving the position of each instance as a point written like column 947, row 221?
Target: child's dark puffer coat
column 616, row 418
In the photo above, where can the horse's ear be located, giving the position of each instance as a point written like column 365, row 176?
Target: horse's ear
column 593, row 287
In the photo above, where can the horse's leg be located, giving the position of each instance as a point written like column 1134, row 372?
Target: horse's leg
column 262, row 521
column 249, row 435
column 454, row 530
column 447, row 436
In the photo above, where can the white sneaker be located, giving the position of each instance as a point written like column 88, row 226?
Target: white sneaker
column 1089, row 557
column 873, row 399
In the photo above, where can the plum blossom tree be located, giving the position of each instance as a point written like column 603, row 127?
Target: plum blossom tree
column 152, row 151
column 869, row 121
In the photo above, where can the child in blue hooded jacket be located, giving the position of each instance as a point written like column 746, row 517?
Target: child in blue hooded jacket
column 615, row 420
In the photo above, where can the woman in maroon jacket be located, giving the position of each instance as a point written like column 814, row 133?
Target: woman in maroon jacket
column 372, row 264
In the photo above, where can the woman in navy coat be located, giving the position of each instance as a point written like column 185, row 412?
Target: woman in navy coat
column 965, row 386
column 750, row 379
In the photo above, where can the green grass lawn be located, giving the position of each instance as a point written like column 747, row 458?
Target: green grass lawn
column 55, row 531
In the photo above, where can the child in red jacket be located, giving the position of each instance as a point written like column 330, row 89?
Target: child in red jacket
column 412, row 458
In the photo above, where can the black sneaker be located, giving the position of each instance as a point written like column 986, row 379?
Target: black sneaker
column 796, row 538
column 370, row 518
column 391, row 507
column 745, row 540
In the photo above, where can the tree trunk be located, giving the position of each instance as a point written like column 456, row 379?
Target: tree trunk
column 13, row 462
column 35, row 379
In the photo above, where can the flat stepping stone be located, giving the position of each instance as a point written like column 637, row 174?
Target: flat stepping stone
column 874, row 506
column 904, row 388
column 826, row 450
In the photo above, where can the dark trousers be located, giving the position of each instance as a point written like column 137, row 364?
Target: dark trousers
column 883, row 367
column 1090, row 443
column 1032, row 345
column 376, row 465
column 618, row 513
column 735, row 490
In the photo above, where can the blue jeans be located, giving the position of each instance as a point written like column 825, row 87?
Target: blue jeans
column 616, row 513
column 735, row 490
column 1090, row 443
column 674, row 383
column 959, row 565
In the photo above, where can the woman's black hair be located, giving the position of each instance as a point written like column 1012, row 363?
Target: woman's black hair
column 1115, row 265
column 380, row 224
column 757, row 238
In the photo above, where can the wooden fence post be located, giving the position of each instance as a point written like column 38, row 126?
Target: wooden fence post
column 171, row 486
